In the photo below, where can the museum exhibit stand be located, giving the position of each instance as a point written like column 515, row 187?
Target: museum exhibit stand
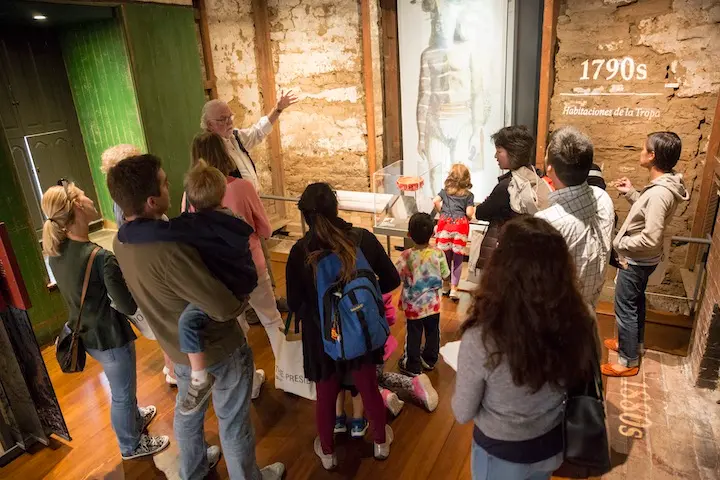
column 29, row 409
column 399, row 192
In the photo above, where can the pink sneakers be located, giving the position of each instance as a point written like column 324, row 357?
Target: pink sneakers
column 424, row 391
column 392, row 402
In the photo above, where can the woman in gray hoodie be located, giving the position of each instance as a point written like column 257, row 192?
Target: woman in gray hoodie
column 639, row 244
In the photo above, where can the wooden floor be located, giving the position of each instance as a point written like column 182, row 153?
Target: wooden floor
column 427, row 445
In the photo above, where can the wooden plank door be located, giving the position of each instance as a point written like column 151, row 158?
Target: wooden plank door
column 38, row 115
column 166, row 66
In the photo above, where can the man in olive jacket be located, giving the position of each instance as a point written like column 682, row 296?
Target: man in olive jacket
column 164, row 277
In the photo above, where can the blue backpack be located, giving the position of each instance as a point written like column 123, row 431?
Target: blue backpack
column 352, row 315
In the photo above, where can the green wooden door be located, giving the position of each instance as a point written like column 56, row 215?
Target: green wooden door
column 168, row 80
column 98, row 66
column 38, row 116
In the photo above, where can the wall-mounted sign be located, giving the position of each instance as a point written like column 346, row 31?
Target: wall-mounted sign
column 12, row 286
column 612, row 87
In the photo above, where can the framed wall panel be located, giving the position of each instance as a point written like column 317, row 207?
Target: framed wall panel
column 456, row 59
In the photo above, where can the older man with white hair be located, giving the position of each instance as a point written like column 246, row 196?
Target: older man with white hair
column 218, row 118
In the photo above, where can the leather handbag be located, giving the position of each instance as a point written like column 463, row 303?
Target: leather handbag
column 69, row 349
column 585, row 437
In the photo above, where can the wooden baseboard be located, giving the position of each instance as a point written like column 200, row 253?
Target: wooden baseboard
column 653, row 316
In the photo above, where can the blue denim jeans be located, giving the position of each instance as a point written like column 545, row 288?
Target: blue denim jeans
column 486, row 467
column 630, row 312
column 119, row 367
column 231, row 401
column 190, row 324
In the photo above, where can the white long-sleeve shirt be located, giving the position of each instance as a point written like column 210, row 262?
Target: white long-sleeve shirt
column 250, row 137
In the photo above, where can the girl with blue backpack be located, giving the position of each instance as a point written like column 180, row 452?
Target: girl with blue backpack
column 336, row 275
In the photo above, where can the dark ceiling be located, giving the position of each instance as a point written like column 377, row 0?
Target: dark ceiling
column 21, row 12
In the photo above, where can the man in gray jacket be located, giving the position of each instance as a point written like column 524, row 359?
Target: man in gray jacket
column 639, row 244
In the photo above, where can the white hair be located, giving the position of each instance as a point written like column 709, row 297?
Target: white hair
column 206, row 110
column 113, row 155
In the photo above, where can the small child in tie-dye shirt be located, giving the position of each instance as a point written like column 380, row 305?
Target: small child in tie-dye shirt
column 422, row 271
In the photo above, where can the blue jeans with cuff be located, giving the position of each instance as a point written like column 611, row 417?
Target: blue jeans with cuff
column 119, row 367
column 630, row 311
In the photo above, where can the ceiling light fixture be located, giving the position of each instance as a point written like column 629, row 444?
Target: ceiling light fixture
column 39, row 17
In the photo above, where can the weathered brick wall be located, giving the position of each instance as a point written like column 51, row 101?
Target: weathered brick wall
column 704, row 354
column 678, row 42
column 317, row 52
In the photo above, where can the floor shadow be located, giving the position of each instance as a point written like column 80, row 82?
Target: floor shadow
column 141, row 468
column 60, row 451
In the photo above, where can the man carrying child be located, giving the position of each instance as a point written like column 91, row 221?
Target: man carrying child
column 164, row 278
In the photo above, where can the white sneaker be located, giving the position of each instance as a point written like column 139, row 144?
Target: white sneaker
column 147, row 414
column 273, row 472
column 329, row 461
column 213, row 455
column 149, row 446
column 454, row 293
column 168, row 379
column 381, row 451
column 258, row 380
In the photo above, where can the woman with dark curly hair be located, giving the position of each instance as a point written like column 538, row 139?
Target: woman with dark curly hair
column 529, row 338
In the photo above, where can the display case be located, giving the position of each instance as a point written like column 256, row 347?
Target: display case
column 398, row 193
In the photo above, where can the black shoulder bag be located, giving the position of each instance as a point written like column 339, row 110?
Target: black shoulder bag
column 585, row 437
column 69, row 349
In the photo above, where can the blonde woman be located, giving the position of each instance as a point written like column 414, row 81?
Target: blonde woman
column 105, row 332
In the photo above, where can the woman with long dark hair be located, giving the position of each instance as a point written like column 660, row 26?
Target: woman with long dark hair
column 330, row 234
column 529, row 338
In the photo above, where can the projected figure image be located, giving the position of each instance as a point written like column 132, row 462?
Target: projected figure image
column 452, row 107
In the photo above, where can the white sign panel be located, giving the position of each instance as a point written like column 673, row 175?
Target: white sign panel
column 453, row 73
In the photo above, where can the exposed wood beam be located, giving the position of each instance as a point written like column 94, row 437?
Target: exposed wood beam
column 202, row 21
column 266, row 78
column 707, row 189
column 368, row 85
column 392, row 132
column 210, row 86
column 547, row 76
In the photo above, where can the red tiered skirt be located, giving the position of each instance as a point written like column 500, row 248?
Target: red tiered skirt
column 452, row 234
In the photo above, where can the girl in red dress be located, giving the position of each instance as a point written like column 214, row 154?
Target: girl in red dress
column 457, row 205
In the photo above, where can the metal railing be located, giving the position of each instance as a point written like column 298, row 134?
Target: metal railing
column 704, row 242
column 705, row 246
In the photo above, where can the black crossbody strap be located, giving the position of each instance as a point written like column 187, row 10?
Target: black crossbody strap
column 244, row 150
